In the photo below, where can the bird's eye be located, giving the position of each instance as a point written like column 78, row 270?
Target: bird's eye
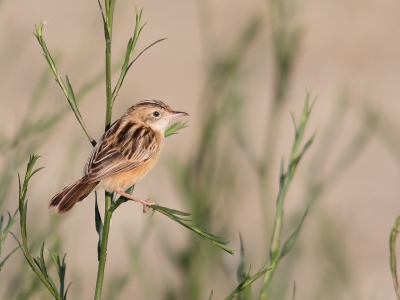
column 156, row 114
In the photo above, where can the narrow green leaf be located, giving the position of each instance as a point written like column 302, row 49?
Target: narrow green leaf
column 22, row 249
column 66, row 292
column 140, row 14
column 34, row 172
column 63, row 268
column 102, row 13
column 241, row 274
column 1, row 232
column 56, row 260
column 115, row 204
column 141, row 28
column 172, row 211
column 7, row 257
column 281, row 174
column 38, row 265
column 293, row 237
column 307, row 144
column 99, row 226
column 145, row 49
column 296, row 131
column 248, row 281
column 11, row 220
column 71, row 95
column 174, row 128
column 17, row 240
column 19, row 186
column 218, row 241
column 43, row 267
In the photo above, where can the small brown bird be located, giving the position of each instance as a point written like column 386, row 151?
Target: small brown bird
column 123, row 155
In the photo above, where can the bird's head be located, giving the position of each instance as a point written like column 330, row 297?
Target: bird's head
column 154, row 114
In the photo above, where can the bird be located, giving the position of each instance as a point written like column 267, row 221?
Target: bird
column 125, row 153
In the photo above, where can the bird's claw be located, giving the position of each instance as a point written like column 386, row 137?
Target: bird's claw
column 147, row 205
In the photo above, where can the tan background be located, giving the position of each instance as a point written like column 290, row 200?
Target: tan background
column 346, row 44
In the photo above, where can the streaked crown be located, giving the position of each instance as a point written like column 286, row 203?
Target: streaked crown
column 153, row 113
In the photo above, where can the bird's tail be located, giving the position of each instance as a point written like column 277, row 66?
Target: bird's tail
column 72, row 194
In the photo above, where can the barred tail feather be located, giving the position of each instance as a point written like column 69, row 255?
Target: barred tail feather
column 72, row 194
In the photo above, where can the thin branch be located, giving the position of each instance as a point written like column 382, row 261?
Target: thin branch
column 65, row 86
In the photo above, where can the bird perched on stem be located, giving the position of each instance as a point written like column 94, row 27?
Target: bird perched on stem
column 122, row 156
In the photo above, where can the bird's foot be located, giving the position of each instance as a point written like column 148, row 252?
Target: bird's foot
column 146, row 205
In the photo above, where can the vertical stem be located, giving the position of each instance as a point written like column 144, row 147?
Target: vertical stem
column 295, row 156
column 275, row 250
column 107, row 215
column 108, row 82
column 104, row 242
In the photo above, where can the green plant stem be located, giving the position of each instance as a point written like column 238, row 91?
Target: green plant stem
column 108, row 83
column 275, row 250
column 109, row 5
column 275, row 253
column 103, row 252
column 65, row 86
column 273, row 126
column 37, row 265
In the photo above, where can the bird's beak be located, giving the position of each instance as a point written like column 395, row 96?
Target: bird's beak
column 177, row 114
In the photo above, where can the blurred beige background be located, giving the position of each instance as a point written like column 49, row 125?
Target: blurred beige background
column 351, row 45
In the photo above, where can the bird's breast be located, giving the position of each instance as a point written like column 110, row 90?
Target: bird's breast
column 124, row 180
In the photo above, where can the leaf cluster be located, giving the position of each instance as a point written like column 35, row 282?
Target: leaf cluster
column 277, row 252
column 38, row 264
column 285, row 178
column 129, row 52
column 243, row 290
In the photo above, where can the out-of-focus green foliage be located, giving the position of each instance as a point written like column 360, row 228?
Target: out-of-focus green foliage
column 208, row 179
column 38, row 264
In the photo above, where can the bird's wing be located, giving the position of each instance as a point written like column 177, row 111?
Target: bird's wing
column 123, row 147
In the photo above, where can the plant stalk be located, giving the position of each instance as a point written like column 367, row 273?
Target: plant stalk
column 104, row 243
column 108, row 83
column 109, row 4
column 275, row 250
column 285, row 181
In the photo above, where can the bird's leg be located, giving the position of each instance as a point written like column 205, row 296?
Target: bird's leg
column 145, row 203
